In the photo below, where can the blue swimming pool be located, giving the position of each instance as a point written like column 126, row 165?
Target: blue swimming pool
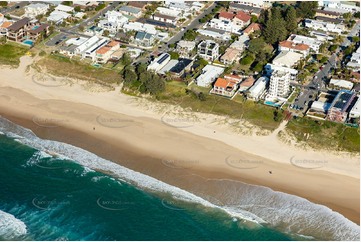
column 28, row 42
column 35, row 27
column 273, row 104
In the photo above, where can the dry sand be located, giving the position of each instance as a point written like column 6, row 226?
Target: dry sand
column 170, row 144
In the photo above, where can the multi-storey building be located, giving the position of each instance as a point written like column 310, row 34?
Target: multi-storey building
column 208, row 49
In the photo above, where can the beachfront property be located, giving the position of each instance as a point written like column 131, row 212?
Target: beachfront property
column 4, row 24
column 158, row 63
column 185, row 48
column 128, row 10
column 341, row 105
column 313, row 43
column 226, row 86
column 104, row 53
column 209, row 75
column 246, row 84
column 287, row 45
column 355, row 111
column 270, row 68
column 176, row 68
column 113, row 21
column 355, row 61
column 287, row 59
column 258, row 88
column 319, row 108
column 35, row 9
column 324, row 26
column 208, row 49
column 279, row 85
column 144, row 39
column 27, row 30
column 339, row 84
column 84, row 47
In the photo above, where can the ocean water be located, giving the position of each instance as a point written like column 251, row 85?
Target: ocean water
column 53, row 191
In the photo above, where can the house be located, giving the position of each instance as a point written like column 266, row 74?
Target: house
column 320, row 36
column 225, row 25
column 57, row 17
column 340, row 106
column 38, row 32
column 209, row 50
column 127, row 10
column 181, row 67
column 144, row 39
column 241, row 43
column 294, row 47
column 355, row 61
column 313, row 43
column 256, row 3
column 35, row 9
column 287, row 59
column 64, row 8
column 279, row 86
column 4, row 24
column 113, row 22
column 259, row 87
column 196, row 6
column 208, row 75
column 183, row 7
column 185, row 48
column 270, row 68
column 90, row 52
column 226, row 15
column 235, row 7
column 339, row 84
column 104, row 53
column 157, row 24
column 355, row 111
column 86, row 5
column 252, row 28
column 139, row 27
column 242, row 19
column 326, row 13
column 165, row 18
column 226, row 87
column 222, row 35
column 159, row 62
column 169, row 12
column 341, row 6
column 137, row 4
column 230, row 56
column 324, row 26
column 246, row 84
column 84, row 45
column 17, row 31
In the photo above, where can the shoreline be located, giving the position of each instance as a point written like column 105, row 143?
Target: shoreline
column 148, row 146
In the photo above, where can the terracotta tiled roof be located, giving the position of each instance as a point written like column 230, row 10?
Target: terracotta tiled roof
column 223, row 83
column 103, row 50
column 252, row 27
column 6, row 24
column 248, row 82
column 113, row 43
column 226, row 15
column 243, row 16
column 291, row 45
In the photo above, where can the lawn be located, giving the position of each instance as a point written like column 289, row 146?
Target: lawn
column 325, row 134
column 255, row 113
column 10, row 54
column 63, row 66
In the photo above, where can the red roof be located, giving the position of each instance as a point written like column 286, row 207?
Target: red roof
column 252, row 27
column 223, row 83
column 243, row 16
column 291, row 45
column 248, row 82
column 226, row 15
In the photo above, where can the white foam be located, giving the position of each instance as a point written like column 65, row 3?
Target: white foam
column 253, row 203
column 11, row 227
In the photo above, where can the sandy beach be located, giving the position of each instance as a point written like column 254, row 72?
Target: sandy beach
column 188, row 150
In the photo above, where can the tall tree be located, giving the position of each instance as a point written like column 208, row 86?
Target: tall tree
column 291, row 19
column 306, row 9
column 275, row 27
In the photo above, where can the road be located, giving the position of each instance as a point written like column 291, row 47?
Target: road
column 193, row 25
column 10, row 9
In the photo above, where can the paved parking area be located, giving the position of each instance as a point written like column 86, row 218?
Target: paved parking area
column 57, row 40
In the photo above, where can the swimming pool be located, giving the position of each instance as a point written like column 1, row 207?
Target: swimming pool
column 35, row 27
column 273, row 104
column 28, row 42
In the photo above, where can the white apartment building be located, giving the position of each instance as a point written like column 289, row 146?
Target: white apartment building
column 184, row 48
column 324, row 26
column 270, row 68
column 225, row 25
column 279, row 85
column 35, row 9
column 169, row 12
column 159, row 62
column 208, row 49
column 313, row 43
column 113, row 22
